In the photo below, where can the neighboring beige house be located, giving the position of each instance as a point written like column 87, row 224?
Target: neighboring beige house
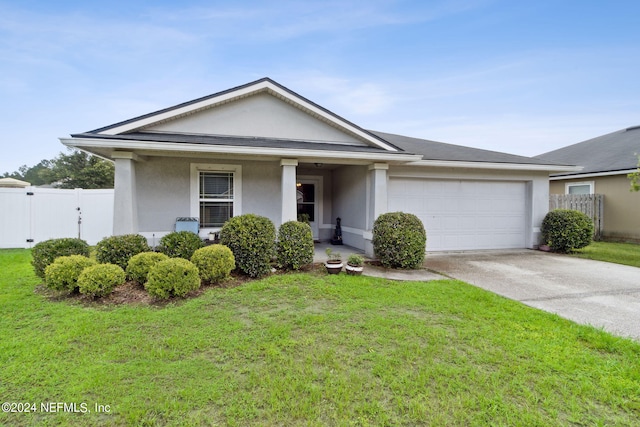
column 606, row 161
column 261, row 148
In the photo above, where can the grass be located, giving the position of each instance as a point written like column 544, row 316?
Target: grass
column 312, row 350
column 619, row 253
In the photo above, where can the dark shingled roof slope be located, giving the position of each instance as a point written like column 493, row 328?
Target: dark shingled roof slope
column 433, row 150
column 236, row 141
column 612, row 152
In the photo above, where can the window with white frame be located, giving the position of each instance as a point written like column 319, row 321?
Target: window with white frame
column 579, row 187
column 216, row 198
column 215, row 195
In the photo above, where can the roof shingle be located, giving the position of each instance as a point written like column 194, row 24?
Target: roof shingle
column 612, row 152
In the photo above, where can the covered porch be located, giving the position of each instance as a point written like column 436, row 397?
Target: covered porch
column 320, row 254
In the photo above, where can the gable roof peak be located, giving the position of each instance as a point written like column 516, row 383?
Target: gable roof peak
column 264, row 84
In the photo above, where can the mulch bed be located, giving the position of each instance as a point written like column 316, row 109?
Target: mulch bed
column 131, row 293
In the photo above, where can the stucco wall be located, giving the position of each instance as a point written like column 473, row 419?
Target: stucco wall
column 164, row 190
column 621, row 207
column 350, row 202
column 260, row 115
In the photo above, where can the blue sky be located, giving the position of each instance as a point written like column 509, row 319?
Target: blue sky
column 523, row 77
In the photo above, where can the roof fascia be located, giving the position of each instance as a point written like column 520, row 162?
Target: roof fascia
column 591, row 175
column 117, row 144
column 499, row 166
column 262, row 85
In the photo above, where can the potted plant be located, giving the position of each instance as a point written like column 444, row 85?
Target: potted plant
column 355, row 264
column 334, row 262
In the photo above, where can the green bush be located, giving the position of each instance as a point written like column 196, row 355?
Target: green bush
column 173, row 277
column 295, row 245
column 139, row 265
column 44, row 253
column 118, row 250
column 251, row 238
column 100, row 280
column 399, row 240
column 214, row 262
column 565, row 230
column 180, row 244
column 62, row 274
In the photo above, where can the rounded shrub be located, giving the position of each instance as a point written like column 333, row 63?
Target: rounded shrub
column 100, row 280
column 140, row 264
column 180, row 244
column 565, row 230
column 399, row 240
column 62, row 274
column 44, row 253
column 295, row 245
column 251, row 238
column 118, row 250
column 214, row 262
column 172, row 277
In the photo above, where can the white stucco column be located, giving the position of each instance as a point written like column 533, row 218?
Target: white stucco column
column 288, row 190
column 125, row 207
column 378, row 201
column 379, row 195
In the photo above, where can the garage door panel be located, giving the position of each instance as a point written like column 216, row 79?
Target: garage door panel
column 459, row 214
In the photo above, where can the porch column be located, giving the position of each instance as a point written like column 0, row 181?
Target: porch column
column 288, row 190
column 377, row 201
column 125, row 206
column 379, row 196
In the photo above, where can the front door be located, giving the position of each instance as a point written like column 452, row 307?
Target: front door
column 307, row 198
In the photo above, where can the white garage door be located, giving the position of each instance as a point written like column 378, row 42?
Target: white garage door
column 464, row 215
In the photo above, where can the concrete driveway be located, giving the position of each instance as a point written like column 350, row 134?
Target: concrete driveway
column 588, row 292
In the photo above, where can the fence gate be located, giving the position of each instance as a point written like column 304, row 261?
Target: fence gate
column 591, row 205
column 31, row 215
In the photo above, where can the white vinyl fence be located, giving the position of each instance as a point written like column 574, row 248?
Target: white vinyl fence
column 31, row 215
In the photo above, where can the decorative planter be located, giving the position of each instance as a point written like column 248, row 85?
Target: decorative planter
column 333, row 267
column 354, row 271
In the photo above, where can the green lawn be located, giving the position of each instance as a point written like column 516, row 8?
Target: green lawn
column 309, row 350
column 619, row 253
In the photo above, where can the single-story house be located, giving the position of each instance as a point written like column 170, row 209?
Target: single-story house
column 606, row 162
column 261, row 148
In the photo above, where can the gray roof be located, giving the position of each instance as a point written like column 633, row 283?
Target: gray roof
column 430, row 150
column 235, row 141
column 433, row 150
column 612, row 152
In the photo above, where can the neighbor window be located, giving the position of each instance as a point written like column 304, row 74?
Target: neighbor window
column 579, row 188
column 215, row 193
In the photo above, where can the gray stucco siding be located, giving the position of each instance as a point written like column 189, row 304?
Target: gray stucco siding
column 261, row 190
column 164, row 190
column 350, row 202
column 163, row 193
